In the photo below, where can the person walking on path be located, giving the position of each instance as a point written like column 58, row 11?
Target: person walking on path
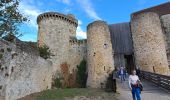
column 138, row 71
column 134, row 85
column 122, row 74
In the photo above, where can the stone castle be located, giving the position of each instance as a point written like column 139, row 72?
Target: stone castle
column 143, row 42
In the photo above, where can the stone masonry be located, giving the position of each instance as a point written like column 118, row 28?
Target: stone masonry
column 99, row 54
column 149, row 44
column 22, row 71
column 55, row 31
column 77, row 52
column 166, row 28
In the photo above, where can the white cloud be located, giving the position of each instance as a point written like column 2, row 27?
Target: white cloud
column 64, row 1
column 31, row 12
column 88, row 7
column 80, row 34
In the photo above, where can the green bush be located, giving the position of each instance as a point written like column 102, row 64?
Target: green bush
column 44, row 52
column 9, row 49
column 57, row 83
column 81, row 77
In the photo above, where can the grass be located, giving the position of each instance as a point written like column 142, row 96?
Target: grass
column 60, row 94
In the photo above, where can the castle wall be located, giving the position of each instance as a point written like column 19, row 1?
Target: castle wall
column 22, row 71
column 77, row 52
column 55, row 31
column 166, row 27
column 149, row 44
column 99, row 54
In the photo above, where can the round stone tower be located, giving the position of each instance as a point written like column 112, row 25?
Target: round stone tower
column 149, row 44
column 99, row 54
column 55, row 31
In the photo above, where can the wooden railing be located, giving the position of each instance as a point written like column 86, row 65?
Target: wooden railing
column 160, row 80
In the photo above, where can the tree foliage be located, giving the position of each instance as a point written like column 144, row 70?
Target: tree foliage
column 10, row 17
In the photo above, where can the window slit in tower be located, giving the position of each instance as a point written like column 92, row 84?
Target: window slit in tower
column 94, row 54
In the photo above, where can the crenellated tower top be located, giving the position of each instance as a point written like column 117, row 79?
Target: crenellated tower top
column 68, row 18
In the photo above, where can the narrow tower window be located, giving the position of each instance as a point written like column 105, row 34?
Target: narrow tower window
column 105, row 45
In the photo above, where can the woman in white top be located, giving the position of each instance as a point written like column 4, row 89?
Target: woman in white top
column 133, row 84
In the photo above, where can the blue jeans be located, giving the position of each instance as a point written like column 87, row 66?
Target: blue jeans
column 122, row 77
column 136, row 93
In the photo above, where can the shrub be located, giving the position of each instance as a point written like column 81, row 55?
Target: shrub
column 44, row 52
column 57, row 82
column 81, row 77
column 9, row 49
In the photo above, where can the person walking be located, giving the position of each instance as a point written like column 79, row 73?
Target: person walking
column 134, row 85
column 138, row 71
column 122, row 74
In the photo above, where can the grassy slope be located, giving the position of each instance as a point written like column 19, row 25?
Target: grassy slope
column 60, row 94
column 69, row 94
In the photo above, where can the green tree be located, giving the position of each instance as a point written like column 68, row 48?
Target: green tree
column 10, row 17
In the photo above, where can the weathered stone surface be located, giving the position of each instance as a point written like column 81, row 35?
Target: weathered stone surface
column 166, row 29
column 55, row 32
column 77, row 52
column 58, row 32
column 22, row 73
column 99, row 54
column 149, row 44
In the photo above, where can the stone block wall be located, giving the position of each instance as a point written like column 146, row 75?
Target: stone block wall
column 149, row 44
column 58, row 32
column 77, row 52
column 99, row 54
column 55, row 31
column 22, row 72
column 165, row 19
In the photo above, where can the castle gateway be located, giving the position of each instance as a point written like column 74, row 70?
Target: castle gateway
column 142, row 42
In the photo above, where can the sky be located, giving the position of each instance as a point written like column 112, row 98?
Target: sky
column 85, row 11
